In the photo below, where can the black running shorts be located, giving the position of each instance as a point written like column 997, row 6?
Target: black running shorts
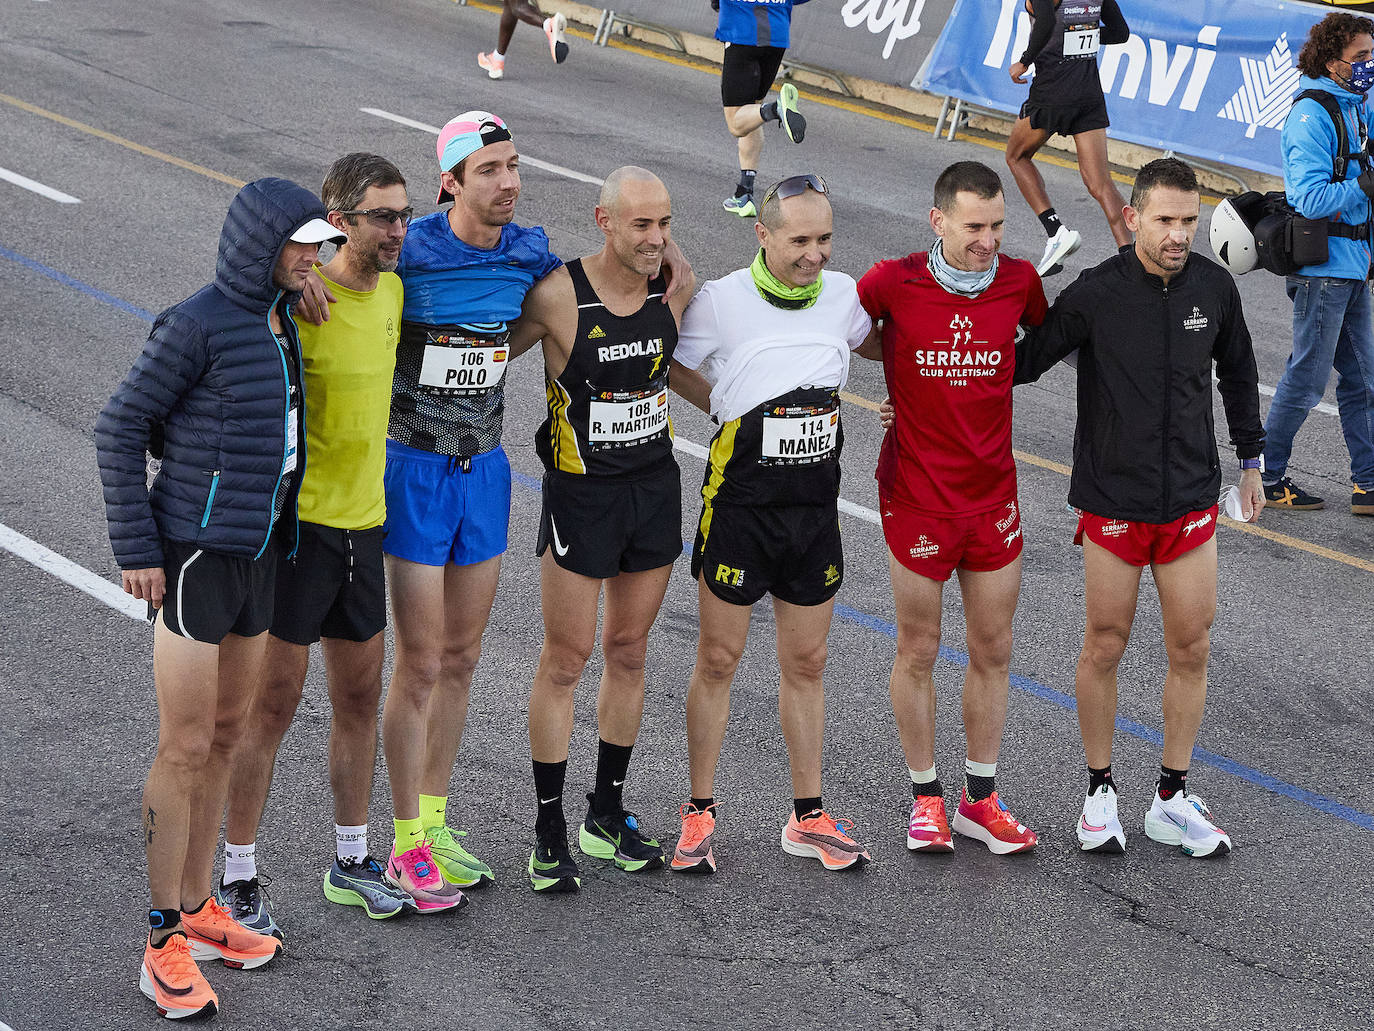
column 334, row 587
column 747, row 73
column 790, row 551
column 600, row 527
column 210, row 595
column 1067, row 119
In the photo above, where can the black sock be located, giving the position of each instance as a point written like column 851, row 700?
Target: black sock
column 769, row 112
column 702, row 804
column 1171, row 781
column 1096, row 778
column 930, row 789
column 1050, row 221
column 978, row 788
column 745, row 188
column 548, row 791
column 612, row 763
column 163, row 921
column 805, row 806
column 193, row 912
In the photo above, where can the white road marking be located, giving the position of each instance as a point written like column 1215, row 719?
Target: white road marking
column 78, row 576
column 1322, row 406
column 35, row 186
column 525, row 159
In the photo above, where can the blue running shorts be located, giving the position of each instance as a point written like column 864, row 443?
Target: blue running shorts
column 441, row 509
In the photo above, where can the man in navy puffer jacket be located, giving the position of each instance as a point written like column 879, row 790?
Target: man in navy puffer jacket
column 219, row 383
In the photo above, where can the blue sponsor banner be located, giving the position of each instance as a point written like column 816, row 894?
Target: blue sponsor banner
column 1210, row 78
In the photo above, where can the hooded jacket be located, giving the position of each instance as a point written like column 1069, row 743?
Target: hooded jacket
column 1145, row 445
column 1309, row 152
column 212, row 379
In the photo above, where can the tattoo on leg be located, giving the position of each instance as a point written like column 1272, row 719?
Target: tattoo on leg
column 149, row 822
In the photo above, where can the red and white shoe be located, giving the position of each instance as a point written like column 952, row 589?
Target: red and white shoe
column 928, row 830
column 992, row 823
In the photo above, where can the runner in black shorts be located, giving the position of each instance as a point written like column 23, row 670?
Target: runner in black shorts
column 210, row 594
column 1066, row 98
column 756, row 34
column 612, row 509
column 774, row 340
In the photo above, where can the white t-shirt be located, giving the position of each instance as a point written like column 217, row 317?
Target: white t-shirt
column 751, row 351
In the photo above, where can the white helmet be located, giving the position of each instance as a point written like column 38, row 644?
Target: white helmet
column 1232, row 240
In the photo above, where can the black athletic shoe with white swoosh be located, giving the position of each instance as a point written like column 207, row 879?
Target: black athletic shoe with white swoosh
column 616, row 836
column 551, row 866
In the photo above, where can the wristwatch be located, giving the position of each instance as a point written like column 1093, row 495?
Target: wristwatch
column 1253, row 463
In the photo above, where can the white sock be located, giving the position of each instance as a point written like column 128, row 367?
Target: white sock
column 497, row 55
column 240, row 862
column 350, row 843
column 922, row 776
column 974, row 769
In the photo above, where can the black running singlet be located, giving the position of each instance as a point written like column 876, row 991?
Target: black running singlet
column 608, row 408
column 784, row 452
column 448, row 392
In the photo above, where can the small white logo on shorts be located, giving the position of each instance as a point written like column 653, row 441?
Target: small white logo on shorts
column 1196, row 524
column 560, row 549
column 1004, row 524
column 925, row 548
column 1114, row 529
column 1012, row 536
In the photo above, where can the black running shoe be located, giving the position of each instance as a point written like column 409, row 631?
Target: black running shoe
column 363, row 883
column 248, row 904
column 1287, row 494
column 616, row 836
column 551, row 865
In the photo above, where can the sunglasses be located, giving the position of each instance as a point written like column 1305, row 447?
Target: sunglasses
column 384, row 217
column 794, row 186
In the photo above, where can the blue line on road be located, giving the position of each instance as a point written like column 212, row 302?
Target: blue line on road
column 875, row 623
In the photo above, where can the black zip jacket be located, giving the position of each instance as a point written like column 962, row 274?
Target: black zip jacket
column 1145, row 445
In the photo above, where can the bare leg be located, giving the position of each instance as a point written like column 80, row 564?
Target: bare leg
column 802, row 633
column 1022, row 145
column 355, row 687
column 720, row 643
column 989, row 606
column 912, row 684
column 1112, row 586
column 511, row 12
column 274, row 705
column 569, row 604
column 746, row 123
column 1097, row 177
column 632, row 604
column 1188, row 602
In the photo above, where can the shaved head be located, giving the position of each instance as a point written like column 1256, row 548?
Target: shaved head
column 614, row 186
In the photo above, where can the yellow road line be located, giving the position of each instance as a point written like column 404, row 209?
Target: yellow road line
column 110, row 137
column 863, row 402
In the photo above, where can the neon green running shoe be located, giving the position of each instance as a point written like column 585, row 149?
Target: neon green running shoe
column 617, row 836
column 456, row 864
column 551, row 866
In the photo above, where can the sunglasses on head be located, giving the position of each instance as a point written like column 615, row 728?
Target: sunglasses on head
column 384, row 217
column 794, row 186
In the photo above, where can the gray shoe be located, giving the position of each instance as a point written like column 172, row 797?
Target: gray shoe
column 248, row 904
column 363, row 883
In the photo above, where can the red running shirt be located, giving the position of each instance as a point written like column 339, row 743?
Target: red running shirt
column 948, row 361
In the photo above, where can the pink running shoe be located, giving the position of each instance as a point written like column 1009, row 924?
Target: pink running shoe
column 554, row 29
column 694, row 853
column 928, row 830
column 414, row 873
column 495, row 66
column 817, row 836
column 992, row 823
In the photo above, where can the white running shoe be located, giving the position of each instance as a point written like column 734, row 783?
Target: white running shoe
column 1099, row 830
column 1057, row 248
column 555, row 31
column 1185, row 820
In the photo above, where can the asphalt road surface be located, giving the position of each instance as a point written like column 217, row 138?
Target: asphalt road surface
column 148, row 115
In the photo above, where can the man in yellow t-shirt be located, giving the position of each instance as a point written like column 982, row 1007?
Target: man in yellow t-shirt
column 334, row 590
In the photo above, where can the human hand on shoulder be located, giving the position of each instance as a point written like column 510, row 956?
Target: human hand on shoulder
column 678, row 272
column 887, row 413
column 315, row 300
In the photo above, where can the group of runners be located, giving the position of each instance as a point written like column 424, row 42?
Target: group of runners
column 329, row 434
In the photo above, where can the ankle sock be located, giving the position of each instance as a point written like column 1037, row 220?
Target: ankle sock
column 1096, row 778
column 979, row 779
column 432, row 810
column 350, row 843
column 1050, row 220
column 548, row 791
column 769, row 112
column 805, row 806
column 926, row 783
column 1171, row 781
column 240, row 862
column 612, row 764
column 409, row 833
column 701, row 804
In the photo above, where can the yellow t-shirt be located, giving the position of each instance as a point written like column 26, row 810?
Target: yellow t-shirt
column 349, row 362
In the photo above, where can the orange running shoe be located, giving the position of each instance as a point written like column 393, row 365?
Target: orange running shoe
column 214, row 934
column 170, row 978
column 928, row 830
column 988, row 820
column 817, row 836
column 693, row 853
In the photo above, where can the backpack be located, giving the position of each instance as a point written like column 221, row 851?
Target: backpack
column 1285, row 241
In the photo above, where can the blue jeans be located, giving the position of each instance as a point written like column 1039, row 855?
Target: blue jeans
column 1331, row 328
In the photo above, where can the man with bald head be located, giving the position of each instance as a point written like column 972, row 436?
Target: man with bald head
column 774, row 341
column 612, row 509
